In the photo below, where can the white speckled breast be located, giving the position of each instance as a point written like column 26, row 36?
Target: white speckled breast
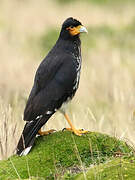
column 78, row 62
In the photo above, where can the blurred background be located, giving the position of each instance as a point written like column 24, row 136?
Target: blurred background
column 105, row 100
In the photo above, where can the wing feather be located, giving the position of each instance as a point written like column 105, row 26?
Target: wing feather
column 53, row 82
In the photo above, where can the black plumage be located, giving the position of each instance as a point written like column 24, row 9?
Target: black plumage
column 55, row 83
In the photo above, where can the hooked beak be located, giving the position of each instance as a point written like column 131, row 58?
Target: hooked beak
column 83, row 29
column 77, row 30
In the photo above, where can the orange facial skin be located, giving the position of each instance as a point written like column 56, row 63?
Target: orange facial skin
column 74, row 30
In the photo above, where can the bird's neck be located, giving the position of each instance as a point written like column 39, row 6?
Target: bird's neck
column 71, row 45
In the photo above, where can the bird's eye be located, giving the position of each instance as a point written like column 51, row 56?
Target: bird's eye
column 71, row 26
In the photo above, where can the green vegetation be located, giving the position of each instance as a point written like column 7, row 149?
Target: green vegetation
column 47, row 40
column 105, row 100
column 97, row 2
column 63, row 154
column 122, row 37
column 119, row 168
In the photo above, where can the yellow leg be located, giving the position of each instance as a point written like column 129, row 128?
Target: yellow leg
column 78, row 132
column 43, row 133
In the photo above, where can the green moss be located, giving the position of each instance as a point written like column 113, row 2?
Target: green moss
column 119, row 168
column 52, row 155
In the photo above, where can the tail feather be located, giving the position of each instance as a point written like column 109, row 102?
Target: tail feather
column 29, row 134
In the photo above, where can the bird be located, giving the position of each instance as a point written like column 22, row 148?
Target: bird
column 55, row 84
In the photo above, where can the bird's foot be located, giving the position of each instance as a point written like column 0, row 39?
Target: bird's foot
column 43, row 133
column 77, row 132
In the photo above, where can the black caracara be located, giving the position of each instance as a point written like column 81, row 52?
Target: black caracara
column 56, row 81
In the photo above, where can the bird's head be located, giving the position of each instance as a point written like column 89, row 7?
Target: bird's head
column 72, row 27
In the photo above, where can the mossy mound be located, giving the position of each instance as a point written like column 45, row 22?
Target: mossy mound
column 119, row 168
column 63, row 155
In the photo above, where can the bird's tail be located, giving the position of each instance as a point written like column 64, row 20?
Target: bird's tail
column 29, row 134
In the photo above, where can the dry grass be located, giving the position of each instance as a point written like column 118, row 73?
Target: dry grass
column 106, row 96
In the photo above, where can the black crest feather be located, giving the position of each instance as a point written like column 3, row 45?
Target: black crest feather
column 71, row 22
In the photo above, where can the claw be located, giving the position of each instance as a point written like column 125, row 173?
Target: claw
column 63, row 129
column 43, row 133
column 78, row 132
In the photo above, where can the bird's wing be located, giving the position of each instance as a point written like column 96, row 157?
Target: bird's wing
column 46, row 71
column 53, row 81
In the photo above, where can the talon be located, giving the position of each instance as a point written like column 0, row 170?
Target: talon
column 51, row 131
column 79, row 132
column 63, row 129
column 72, row 129
column 43, row 133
